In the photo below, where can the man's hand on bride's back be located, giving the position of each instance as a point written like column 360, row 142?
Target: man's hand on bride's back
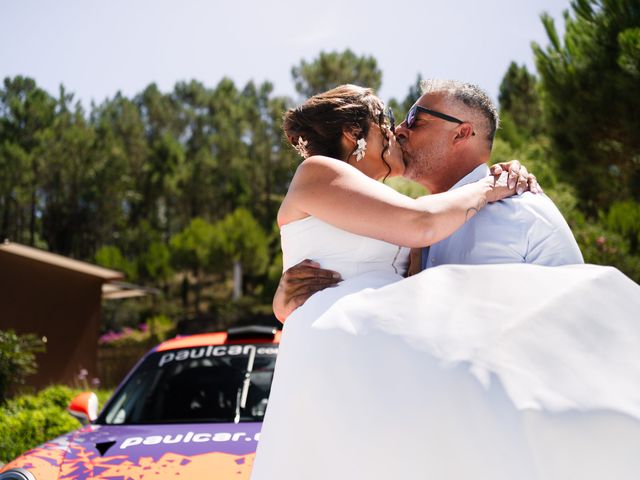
column 298, row 283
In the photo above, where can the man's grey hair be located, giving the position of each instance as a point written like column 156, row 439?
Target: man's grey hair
column 470, row 95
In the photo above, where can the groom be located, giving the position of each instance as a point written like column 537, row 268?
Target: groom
column 446, row 141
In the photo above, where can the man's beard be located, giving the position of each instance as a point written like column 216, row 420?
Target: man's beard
column 420, row 164
column 417, row 164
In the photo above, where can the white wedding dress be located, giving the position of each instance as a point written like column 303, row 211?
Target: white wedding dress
column 460, row 372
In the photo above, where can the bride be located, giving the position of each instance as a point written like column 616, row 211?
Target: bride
column 433, row 376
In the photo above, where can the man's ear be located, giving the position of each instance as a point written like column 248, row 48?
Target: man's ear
column 463, row 132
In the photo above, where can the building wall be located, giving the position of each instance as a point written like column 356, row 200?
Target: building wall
column 59, row 304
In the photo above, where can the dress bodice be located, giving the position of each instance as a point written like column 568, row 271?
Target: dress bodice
column 336, row 249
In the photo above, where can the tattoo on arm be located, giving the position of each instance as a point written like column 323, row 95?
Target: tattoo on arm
column 473, row 210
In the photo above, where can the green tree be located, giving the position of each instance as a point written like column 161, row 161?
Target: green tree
column 624, row 219
column 191, row 250
column 520, row 105
column 401, row 107
column 230, row 144
column 14, row 191
column 331, row 69
column 155, row 262
column 110, row 256
column 122, row 182
column 268, row 163
column 74, row 181
column 242, row 245
column 26, row 112
column 203, row 179
column 591, row 94
column 163, row 123
column 121, row 150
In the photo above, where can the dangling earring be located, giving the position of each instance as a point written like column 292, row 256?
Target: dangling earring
column 359, row 152
column 301, row 147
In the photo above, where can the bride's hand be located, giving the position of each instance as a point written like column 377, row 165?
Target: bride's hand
column 498, row 187
column 518, row 176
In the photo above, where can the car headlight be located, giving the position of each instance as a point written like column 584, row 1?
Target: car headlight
column 17, row 474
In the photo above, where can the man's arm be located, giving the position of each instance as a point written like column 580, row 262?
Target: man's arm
column 298, row 283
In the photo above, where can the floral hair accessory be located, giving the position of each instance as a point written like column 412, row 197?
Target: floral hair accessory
column 301, row 147
column 359, row 152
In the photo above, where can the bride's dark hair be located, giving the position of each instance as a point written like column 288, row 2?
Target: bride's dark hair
column 321, row 119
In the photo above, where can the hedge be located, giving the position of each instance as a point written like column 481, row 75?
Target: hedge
column 29, row 420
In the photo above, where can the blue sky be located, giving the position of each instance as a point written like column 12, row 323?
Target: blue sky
column 98, row 48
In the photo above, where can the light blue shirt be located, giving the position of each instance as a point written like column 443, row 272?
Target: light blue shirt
column 525, row 228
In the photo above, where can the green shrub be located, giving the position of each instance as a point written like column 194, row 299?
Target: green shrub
column 602, row 246
column 29, row 420
column 17, row 359
column 624, row 218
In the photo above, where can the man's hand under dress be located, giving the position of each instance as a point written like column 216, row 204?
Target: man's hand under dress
column 298, row 283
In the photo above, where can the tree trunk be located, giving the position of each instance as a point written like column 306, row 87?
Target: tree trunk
column 4, row 228
column 32, row 220
column 197, row 290
column 237, row 280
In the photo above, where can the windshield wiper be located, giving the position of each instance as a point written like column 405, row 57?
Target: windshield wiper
column 241, row 398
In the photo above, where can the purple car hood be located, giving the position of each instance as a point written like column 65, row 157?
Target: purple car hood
column 146, row 452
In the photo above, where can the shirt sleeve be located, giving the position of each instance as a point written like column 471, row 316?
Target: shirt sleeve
column 549, row 239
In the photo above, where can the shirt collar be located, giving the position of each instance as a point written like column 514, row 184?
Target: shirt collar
column 476, row 174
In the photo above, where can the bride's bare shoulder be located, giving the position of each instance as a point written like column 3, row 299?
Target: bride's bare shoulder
column 321, row 162
column 309, row 180
column 318, row 167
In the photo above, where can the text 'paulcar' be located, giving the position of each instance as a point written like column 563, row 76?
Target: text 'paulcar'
column 192, row 407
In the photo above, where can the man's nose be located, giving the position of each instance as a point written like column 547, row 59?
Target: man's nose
column 401, row 131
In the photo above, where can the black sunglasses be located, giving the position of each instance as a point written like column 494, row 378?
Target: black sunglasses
column 410, row 119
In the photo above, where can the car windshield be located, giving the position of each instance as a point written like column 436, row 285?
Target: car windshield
column 215, row 383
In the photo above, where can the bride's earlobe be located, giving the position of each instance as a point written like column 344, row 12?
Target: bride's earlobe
column 349, row 135
column 348, row 142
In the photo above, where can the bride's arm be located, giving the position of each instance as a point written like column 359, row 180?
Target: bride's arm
column 342, row 196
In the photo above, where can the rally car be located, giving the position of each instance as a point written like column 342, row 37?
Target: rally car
column 191, row 408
